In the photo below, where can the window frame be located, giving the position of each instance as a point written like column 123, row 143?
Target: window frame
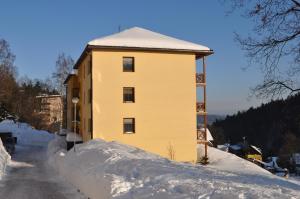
column 124, row 98
column 133, row 65
column 133, row 126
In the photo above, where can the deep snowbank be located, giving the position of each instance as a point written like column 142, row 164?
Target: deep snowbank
column 111, row 170
column 224, row 161
column 4, row 159
column 25, row 133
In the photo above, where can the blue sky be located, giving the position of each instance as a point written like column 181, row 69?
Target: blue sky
column 38, row 30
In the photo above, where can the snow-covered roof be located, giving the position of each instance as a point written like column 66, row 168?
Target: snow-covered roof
column 137, row 37
column 256, row 149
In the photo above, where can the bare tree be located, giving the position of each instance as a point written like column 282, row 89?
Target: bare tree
column 274, row 43
column 64, row 65
column 8, row 84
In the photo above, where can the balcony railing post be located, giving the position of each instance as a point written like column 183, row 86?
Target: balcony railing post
column 200, row 79
column 200, row 107
column 201, row 134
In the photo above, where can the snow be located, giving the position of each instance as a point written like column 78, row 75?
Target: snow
column 25, row 133
column 71, row 137
column 235, row 147
column 4, row 159
column 103, row 169
column 28, row 176
column 256, row 149
column 141, row 38
column 208, row 134
column 225, row 161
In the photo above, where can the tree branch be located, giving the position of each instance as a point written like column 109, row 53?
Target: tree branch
column 296, row 3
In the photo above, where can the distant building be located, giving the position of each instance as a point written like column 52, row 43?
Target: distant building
column 138, row 87
column 244, row 150
column 50, row 109
column 295, row 159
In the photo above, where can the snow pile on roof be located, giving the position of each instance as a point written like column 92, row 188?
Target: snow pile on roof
column 25, row 133
column 111, row 170
column 141, row 38
column 4, row 159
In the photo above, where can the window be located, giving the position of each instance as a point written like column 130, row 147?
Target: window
column 128, row 94
column 128, row 64
column 90, row 96
column 76, row 92
column 129, row 125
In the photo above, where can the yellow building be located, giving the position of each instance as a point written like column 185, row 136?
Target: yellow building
column 72, row 90
column 138, row 87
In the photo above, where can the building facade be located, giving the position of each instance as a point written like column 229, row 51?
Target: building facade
column 50, row 110
column 138, row 87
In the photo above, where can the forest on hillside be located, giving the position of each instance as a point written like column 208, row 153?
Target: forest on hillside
column 274, row 127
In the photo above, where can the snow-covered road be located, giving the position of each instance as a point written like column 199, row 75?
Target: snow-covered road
column 29, row 177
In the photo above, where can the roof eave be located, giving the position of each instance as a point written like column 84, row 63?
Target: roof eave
column 88, row 48
column 68, row 78
column 84, row 52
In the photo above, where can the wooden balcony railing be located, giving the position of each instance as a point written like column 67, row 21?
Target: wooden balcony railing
column 200, row 78
column 200, row 107
column 201, row 134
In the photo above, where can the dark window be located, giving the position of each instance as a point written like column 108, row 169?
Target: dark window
column 90, row 95
column 128, row 94
column 128, row 64
column 129, row 125
column 90, row 125
column 76, row 92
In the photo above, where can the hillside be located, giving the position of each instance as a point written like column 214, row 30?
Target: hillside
column 274, row 127
column 211, row 118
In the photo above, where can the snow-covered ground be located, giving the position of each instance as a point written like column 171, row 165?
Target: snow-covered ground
column 25, row 133
column 28, row 175
column 111, row 170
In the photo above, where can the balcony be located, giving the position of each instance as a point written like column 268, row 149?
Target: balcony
column 200, row 80
column 200, row 108
column 201, row 134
